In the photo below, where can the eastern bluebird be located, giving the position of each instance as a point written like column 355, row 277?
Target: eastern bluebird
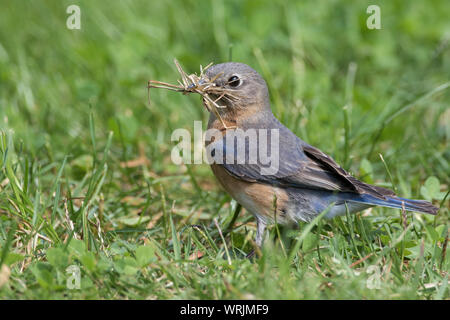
column 307, row 180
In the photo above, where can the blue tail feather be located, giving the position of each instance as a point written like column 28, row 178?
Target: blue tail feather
column 398, row 203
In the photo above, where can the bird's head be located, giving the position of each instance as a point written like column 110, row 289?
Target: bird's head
column 246, row 90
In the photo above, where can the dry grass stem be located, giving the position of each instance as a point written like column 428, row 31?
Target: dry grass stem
column 200, row 84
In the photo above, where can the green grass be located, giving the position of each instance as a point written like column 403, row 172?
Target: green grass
column 73, row 110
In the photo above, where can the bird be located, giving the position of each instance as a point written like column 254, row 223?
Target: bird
column 307, row 181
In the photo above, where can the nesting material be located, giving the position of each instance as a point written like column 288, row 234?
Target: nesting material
column 200, row 84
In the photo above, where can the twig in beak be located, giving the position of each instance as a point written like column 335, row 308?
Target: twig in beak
column 198, row 84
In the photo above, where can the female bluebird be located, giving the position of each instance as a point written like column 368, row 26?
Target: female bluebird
column 306, row 182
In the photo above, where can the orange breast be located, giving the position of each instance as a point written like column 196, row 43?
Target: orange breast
column 257, row 198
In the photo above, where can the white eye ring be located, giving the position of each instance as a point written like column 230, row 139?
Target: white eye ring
column 234, row 81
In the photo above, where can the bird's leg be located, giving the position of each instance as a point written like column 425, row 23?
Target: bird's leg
column 260, row 228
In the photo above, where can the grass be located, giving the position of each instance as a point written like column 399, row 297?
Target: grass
column 85, row 172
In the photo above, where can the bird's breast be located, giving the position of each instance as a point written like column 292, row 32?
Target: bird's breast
column 262, row 200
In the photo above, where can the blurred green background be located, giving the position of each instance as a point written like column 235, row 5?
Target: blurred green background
column 50, row 75
column 353, row 92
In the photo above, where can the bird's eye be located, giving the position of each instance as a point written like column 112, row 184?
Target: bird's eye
column 234, row 81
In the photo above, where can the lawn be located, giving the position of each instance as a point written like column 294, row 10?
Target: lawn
column 88, row 190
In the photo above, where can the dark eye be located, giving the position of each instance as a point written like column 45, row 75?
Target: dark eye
column 234, row 81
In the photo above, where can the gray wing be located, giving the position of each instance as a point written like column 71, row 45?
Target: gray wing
column 300, row 166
